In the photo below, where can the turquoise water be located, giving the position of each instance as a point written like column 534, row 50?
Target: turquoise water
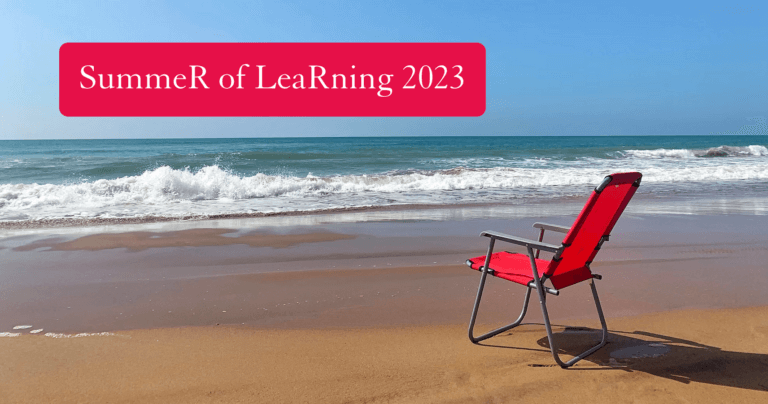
column 62, row 161
column 173, row 177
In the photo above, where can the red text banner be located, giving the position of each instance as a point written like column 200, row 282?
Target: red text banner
column 272, row 79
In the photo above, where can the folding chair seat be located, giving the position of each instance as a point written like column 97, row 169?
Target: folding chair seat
column 510, row 266
column 570, row 263
column 517, row 268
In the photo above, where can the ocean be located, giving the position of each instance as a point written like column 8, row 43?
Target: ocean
column 177, row 178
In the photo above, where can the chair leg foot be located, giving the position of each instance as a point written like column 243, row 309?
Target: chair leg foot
column 586, row 353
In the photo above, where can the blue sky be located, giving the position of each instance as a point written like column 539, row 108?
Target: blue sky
column 553, row 68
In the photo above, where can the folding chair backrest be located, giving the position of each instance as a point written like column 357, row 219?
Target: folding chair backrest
column 591, row 228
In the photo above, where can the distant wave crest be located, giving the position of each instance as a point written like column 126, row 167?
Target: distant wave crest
column 720, row 151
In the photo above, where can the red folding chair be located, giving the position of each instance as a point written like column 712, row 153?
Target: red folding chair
column 570, row 263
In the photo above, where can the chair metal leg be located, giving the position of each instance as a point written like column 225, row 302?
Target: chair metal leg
column 584, row 354
column 543, row 301
column 501, row 329
column 483, row 276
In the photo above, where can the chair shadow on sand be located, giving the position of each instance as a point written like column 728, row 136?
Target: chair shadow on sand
column 663, row 356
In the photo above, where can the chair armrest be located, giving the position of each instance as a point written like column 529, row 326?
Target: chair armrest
column 552, row 227
column 522, row 241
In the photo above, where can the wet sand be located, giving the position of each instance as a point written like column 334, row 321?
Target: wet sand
column 136, row 241
column 377, row 312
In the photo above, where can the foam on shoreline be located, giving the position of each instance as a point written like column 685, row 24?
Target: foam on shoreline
column 216, row 191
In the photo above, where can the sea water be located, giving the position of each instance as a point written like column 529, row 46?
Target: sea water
column 91, row 179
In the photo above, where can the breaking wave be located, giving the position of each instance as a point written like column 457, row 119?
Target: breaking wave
column 212, row 190
column 720, row 151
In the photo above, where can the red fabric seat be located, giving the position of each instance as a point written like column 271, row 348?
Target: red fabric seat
column 517, row 268
column 510, row 266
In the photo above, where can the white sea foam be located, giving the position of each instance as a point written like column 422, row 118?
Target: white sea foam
column 758, row 150
column 661, row 153
column 80, row 335
column 9, row 334
column 213, row 190
column 720, row 151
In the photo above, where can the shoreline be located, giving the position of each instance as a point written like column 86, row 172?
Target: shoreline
column 642, row 205
column 78, row 222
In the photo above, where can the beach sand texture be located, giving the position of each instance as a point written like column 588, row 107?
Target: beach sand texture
column 376, row 313
column 704, row 356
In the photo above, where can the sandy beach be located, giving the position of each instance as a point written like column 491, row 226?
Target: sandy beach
column 376, row 311
column 704, row 356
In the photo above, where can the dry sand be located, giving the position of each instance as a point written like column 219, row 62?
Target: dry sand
column 708, row 356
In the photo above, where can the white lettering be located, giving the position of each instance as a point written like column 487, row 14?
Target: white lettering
column 120, row 80
column 300, row 82
column 362, row 80
column 157, row 77
column 101, row 81
column 280, row 81
column 382, row 83
column 319, row 78
column 175, row 84
column 343, row 81
column 231, row 81
column 261, row 78
column 200, row 77
column 240, row 76
column 93, row 81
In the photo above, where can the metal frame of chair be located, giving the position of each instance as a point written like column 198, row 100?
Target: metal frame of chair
column 534, row 247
